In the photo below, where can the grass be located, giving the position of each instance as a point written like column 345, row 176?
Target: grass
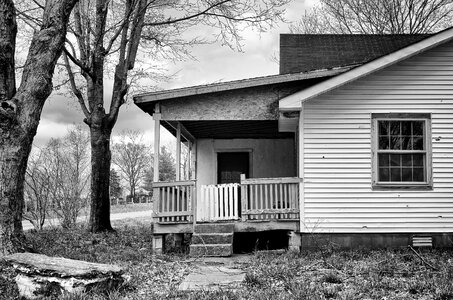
column 311, row 275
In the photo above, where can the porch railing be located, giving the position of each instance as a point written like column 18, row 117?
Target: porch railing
column 173, row 201
column 218, row 202
column 270, row 198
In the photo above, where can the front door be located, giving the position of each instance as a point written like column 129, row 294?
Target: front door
column 230, row 166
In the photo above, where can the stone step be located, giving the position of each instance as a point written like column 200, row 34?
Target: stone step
column 219, row 250
column 212, row 238
column 214, row 228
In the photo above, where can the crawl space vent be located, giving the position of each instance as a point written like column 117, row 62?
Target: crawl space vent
column 422, row 241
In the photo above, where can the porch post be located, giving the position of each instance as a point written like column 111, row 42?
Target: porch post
column 193, row 158
column 301, row 169
column 178, row 152
column 156, row 194
column 156, row 117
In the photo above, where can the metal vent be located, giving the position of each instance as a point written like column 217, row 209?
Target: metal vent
column 422, row 241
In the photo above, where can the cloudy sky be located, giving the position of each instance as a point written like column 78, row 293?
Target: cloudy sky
column 214, row 63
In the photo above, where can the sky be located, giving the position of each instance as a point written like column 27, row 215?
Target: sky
column 213, row 63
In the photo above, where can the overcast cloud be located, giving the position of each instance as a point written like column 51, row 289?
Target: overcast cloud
column 214, row 63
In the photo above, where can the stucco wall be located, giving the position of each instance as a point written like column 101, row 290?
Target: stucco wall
column 270, row 157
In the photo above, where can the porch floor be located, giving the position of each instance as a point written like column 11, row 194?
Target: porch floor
column 239, row 226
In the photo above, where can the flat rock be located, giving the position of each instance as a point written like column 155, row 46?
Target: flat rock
column 212, row 278
column 41, row 275
column 32, row 263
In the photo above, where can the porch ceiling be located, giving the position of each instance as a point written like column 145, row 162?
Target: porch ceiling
column 262, row 129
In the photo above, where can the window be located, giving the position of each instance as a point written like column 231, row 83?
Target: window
column 401, row 150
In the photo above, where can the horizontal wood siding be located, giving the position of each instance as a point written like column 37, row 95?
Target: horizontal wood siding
column 337, row 156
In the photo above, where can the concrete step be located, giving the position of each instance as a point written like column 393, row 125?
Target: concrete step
column 214, row 228
column 212, row 238
column 219, row 250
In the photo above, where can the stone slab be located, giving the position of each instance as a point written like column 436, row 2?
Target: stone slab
column 214, row 228
column 212, row 278
column 211, row 250
column 41, row 275
column 39, row 264
column 212, row 238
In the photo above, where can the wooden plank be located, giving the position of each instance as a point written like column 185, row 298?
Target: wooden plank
column 156, row 117
column 220, row 191
column 174, row 183
column 168, row 198
column 271, row 180
column 215, row 199
column 178, row 151
column 280, row 190
column 261, row 196
column 243, row 200
column 173, row 199
column 178, row 199
column 175, row 213
column 156, row 202
column 271, row 211
column 254, row 197
column 203, row 204
column 191, row 202
column 235, row 208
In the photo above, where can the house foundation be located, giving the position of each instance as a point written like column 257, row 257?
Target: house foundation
column 374, row 240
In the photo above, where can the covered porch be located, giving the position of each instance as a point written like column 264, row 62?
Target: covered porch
column 241, row 163
column 242, row 172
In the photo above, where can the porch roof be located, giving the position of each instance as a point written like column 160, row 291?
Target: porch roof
column 258, row 129
column 147, row 101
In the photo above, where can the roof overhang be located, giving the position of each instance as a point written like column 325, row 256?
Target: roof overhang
column 234, row 85
column 294, row 101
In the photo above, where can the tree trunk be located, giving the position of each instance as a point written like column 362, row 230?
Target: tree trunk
column 13, row 160
column 20, row 112
column 100, row 177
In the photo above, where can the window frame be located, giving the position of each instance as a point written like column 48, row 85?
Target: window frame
column 387, row 185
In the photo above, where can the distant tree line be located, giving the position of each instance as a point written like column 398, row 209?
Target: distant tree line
column 58, row 175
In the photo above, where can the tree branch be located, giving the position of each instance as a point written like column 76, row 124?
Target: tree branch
column 186, row 18
column 77, row 62
column 75, row 90
column 8, row 32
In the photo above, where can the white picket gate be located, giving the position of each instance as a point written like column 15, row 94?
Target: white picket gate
column 218, row 202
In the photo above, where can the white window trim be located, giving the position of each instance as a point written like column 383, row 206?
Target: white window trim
column 426, row 117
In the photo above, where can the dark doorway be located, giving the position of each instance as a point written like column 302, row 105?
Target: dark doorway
column 230, row 166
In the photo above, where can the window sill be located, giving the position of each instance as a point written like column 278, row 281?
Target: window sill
column 408, row 187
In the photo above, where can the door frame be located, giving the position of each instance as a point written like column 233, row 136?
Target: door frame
column 227, row 150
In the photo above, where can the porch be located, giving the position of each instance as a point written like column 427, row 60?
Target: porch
column 236, row 160
column 253, row 201
column 232, row 171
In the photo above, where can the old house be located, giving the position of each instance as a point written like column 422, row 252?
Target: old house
column 352, row 141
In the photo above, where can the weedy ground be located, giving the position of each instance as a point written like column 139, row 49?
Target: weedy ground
column 326, row 274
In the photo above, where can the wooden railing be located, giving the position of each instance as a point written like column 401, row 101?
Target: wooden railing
column 173, row 201
column 218, row 202
column 270, row 198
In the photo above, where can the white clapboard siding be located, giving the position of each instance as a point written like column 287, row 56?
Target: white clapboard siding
column 337, row 151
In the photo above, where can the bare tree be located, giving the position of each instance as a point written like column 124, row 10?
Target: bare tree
column 20, row 109
column 110, row 37
column 132, row 157
column 38, row 189
column 72, row 156
column 376, row 17
column 57, row 179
